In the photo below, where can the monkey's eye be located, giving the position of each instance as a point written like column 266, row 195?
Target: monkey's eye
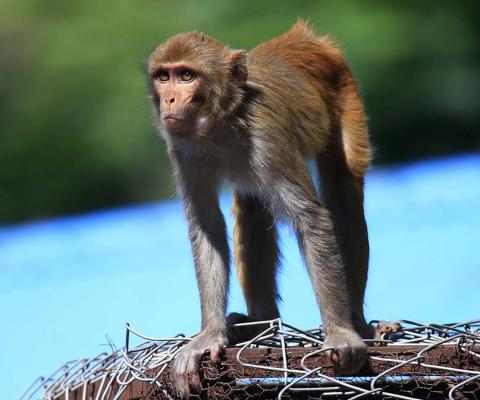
column 187, row 76
column 162, row 76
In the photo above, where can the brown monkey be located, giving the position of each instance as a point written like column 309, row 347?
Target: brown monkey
column 254, row 119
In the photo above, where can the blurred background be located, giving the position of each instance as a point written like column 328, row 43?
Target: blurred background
column 87, row 240
column 76, row 129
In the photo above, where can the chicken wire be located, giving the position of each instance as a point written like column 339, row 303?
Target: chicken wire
column 420, row 361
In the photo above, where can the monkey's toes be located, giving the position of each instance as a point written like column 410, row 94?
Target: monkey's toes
column 385, row 331
column 349, row 353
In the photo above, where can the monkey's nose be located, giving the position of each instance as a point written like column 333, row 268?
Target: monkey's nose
column 170, row 100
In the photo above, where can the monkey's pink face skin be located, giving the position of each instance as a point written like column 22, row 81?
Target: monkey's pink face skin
column 177, row 89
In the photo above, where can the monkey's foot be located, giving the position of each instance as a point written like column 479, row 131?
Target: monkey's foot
column 384, row 331
column 186, row 363
column 239, row 334
column 349, row 352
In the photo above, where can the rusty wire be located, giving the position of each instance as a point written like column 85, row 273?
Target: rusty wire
column 435, row 359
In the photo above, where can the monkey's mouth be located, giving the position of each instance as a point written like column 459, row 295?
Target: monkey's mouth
column 173, row 120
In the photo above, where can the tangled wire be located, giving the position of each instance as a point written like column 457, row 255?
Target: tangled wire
column 420, row 361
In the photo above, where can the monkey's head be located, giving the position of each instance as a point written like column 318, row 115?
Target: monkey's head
column 195, row 83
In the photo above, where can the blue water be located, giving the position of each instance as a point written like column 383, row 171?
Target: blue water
column 67, row 283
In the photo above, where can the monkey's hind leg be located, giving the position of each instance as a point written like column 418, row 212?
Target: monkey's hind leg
column 342, row 195
column 256, row 257
column 327, row 271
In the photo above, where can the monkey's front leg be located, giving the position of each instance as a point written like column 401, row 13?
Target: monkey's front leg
column 208, row 238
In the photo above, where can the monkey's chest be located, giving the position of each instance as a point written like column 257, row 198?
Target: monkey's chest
column 240, row 176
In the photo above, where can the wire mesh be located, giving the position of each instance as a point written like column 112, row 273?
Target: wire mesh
column 420, row 361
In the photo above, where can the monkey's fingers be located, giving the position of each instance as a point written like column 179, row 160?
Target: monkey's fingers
column 186, row 375
column 184, row 391
column 347, row 360
column 194, row 381
column 335, row 357
column 348, row 351
column 216, row 352
column 181, row 381
column 193, row 378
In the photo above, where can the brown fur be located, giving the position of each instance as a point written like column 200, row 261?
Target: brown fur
column 322, row 64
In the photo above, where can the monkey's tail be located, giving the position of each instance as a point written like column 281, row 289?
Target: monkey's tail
column 353, row 126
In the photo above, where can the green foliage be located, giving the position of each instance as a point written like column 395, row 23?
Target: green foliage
column 76, row 131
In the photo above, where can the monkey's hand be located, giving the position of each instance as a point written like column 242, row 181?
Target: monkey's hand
column 186, row 363
column 349, row 352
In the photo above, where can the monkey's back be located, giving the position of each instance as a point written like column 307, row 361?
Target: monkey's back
column 318, row 58
column 300, row 76
column 306, row 78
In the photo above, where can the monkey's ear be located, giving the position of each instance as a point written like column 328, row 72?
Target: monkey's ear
column 238, row 66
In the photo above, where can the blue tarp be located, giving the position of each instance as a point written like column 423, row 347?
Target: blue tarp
column 67, row 282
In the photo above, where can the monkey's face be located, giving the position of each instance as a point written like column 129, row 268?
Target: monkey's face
column 177, row 94
column 195, row 82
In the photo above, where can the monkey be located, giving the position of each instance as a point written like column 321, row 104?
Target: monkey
column 256, row 118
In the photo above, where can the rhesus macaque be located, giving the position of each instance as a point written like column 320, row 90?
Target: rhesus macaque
column 255, row 118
